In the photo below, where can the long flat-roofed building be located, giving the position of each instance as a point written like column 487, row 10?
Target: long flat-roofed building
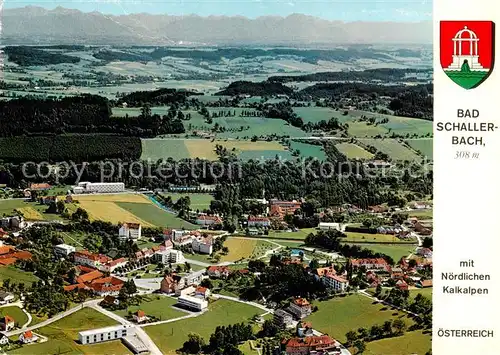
column 99, row 335
column 196, row 303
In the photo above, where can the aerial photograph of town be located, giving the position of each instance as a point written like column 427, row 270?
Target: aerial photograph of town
column 216, row 180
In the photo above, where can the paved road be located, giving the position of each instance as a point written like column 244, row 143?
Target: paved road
column 141, row 334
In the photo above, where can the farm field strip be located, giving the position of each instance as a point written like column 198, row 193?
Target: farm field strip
column 353, row 151
column 392, row 147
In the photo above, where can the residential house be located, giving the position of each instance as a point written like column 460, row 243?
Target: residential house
column 402, row 285
column 6, row 297
column 206, row 220
column 202, row 292
column 322, row 344
column 28, row 337
column 218, row 271
column 258, row 222
column 130, row 231
column 139, row 316
column 283, row 319
column 424, row 252
column 202, row 245
column 171, row 283
column 4, row 339
column 110, row 301
column 300, row 308
column 7, row 323
column 424, row 283
column 84, row 257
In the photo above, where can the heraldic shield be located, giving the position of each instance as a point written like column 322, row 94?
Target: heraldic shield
column 467, row 51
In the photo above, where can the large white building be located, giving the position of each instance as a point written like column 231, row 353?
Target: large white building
column 170, row 256
column 98, row 187
column 130, row 231
column 104, row 334
column 330, row 226
column 63, row 250
column 196, row 303
column 203, row 245
column 335, row 282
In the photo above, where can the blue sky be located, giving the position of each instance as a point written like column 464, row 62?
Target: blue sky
column 345, row 10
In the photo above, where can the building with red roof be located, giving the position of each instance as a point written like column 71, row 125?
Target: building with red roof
column 140, row 316
column 89, row 277
column 258, row 221
column 106, row 286
column 370, row 263
column 84, row 257
column 206, row 220
column 314, row 344
column 7, row 323
column 218, row 271
column 300, row 308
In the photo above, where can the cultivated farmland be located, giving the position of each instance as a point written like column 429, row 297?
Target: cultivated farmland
column 353, row 151
column 391, row 147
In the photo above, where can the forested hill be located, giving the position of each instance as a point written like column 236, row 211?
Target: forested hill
column 28, row 56
column 159, row 97
column 255, row 89
column 78, row 114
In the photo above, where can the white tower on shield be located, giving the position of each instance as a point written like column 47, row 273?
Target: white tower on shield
column 465, row 48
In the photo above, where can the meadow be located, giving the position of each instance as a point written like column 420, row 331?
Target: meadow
column 376, row 238
column 422, row 145
column 199, row 201
column 393, row 148
column 245, row 248
column 395, row 251
column 15, row 312
column 309, row 150
column 416, row 342
column 63, row 336
column 17, row 276
column 353, row 151
column 337, row 316
column 170, row 336
column 154, row 215
column 30, row 210
column 315, row 114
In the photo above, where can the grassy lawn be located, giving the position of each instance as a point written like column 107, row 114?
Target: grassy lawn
column 337, row 316
column 353, row 151
column 16, row 313
column 247, row 349
column 299, row 235
column 158, row 148
column 421, row 214
column 427, row 292
column 309, row 150
column 354, row 237
column 63, row 336
column 395, row 251
column 154, row 215
column 170, row 336
column 408, row 344
column 17, row 275
column 157, row 306
column 245, row 248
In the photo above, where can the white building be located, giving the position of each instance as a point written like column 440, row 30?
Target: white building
column 258, row 222
column 195, row 278
column 195, row 303
column 202, row 245
column 190, row 290
column 335, row 282
column 112, row 265
column 130, row 231
column 6, row 297
column 63, row 250
column 28, row 337
column 330, row 226
column 170, row 256
column 104, row 334
column 99, row 187
column 177, row 234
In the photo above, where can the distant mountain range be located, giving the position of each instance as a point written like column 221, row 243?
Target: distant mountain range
column 36, row 25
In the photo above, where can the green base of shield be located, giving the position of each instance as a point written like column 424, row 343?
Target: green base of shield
column 468, row 80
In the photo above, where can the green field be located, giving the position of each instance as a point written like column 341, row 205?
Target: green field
column 393, row 148
column 245, row 248
column 395, row 251
column 156, row 149
column 30, row 210
column 15, row 312
column 170, row 336
column 309, row 150
column 136, row 111
column 301, row 234
column 199, row 201
column 423, row 145
column 337, row 316
column 408, row 344
column 16, row 275
column 353, row 151
column 379, row 238
column 261, row 155
column 155, row 215
column 315, row 114
column 156, row 306
column 362, row 129
column 63, row 336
